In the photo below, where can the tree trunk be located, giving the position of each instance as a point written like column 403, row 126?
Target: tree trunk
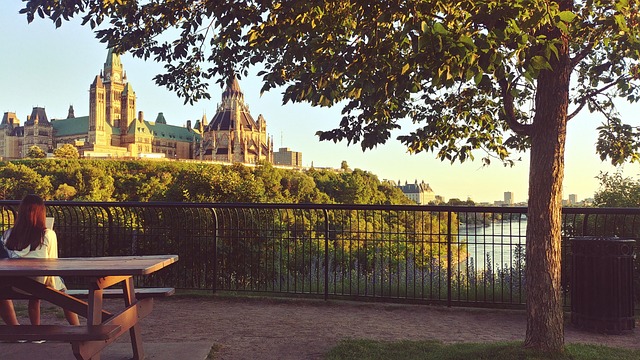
column 548, row 132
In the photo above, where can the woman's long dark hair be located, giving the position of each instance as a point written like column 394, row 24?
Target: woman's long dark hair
column 30, row 224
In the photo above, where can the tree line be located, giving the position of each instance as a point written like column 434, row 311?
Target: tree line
column 139, row 180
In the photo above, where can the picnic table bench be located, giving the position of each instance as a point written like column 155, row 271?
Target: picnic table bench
column 111, row 293
column 64, row 333
column 103, row 327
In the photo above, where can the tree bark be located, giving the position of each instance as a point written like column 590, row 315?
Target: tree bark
column 542, row 275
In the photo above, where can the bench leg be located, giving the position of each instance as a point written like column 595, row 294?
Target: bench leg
column 126, row 319
column 94, row 317
column 78, row 350
column 136, row 338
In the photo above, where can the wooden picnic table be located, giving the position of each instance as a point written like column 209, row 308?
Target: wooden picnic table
column 103, row 327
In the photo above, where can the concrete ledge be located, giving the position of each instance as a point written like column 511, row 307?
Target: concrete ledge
column 117, row 351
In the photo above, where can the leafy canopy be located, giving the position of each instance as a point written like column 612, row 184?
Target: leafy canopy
column 35, row 152
column 66, row 151
column 463, row 72
column 617, row 191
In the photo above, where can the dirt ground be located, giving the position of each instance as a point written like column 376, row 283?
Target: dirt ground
column 306, row 329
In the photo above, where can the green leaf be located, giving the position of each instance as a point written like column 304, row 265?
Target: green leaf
column 620, row 21
column 439, row 29
column 467, row 41
column 553, row 49
column 478, row 78
column 539, row 63
column 566, row 16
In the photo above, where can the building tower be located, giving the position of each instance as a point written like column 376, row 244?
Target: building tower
column 38, row 131
column 111, row 100
column 233, row 135
column 128, row 108
column 11, row 136
column 508, row 198
column 97, row 135
column 114, row 86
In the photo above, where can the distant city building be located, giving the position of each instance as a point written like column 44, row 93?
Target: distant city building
column 421, row 193
column 573, row 199
column 508, row 198
column 286, row 157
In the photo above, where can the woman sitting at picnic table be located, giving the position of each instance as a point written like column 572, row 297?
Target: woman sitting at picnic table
column 7, row 313
column 30, row 238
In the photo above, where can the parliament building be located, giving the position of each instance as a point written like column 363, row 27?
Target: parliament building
column 115, row 128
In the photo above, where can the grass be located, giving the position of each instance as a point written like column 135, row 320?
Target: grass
column 434, row 350
column 212, row 353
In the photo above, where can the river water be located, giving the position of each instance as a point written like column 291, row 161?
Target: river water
column 499, row 244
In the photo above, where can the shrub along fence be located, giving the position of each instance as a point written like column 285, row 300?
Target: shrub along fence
column 458, row 256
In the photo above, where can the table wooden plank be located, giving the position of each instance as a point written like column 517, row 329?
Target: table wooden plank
column 64, row 333
column 95, row 266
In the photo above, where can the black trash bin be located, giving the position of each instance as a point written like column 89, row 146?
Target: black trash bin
column 602, row 284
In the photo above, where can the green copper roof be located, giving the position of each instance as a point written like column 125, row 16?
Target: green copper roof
column 80, row 126
column 135, row 126
column 77, row 126
column 176, row 133
column 73, row 126
column 160, row 119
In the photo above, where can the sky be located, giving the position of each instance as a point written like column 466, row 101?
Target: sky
column 53, row 68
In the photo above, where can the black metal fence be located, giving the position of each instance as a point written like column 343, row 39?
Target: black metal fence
column 471, row 256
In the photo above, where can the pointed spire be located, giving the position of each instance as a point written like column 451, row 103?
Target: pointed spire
column 98, row 80
column 204, row 121
column 202, row 124
column 128, row 90
column 233, row 89
column 71, row 113
column 112, row 67
column 113, row 59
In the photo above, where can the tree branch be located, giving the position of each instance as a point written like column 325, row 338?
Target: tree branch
column 582, row 54
column 587, row 49
column 576, row 111
column 583, row 100
column 509, row 110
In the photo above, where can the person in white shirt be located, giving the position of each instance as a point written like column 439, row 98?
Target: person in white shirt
column 29, row 238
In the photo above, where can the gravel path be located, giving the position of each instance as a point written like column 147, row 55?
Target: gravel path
column 245, row 328
column 306, row 329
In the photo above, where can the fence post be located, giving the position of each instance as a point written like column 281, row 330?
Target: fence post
column 326, row 254
column 449, row 259
column 107, row 210
column 215, row 250
column 585, row 224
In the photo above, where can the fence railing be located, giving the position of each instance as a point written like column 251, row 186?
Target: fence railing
column 471, row 256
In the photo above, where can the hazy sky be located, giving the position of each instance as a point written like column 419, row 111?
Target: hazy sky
column 42, row 66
